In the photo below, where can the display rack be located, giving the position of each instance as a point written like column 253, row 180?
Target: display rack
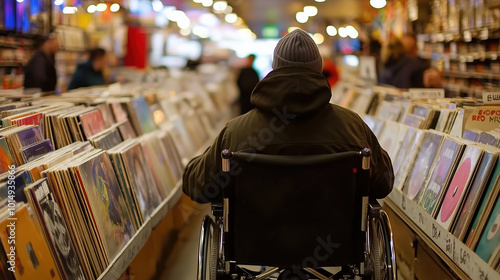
column 125, row 257
column 453, row 251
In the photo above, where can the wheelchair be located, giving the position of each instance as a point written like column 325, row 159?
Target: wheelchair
column 294, row 217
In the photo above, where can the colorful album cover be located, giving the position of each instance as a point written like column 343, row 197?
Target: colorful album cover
column 475, row 193
column 106, row 113
column 55, row 229
column 36, row 150
column 414, row 120
column 490, row 239
column 20, row 181
column 477, row 226
column 409, row 158
column 403, row 149
column 173, row 158
column 108, row 141
column 5, row 156
column 35, row 119
column 157, row 161
column 119, row 112
column 422, row 111
column 422, row 164
column 144, row 115
column 142, row 180
column 29, row 136
column 126, row 130
column 489, row 139
column 472, row 135
column 106, row 203
column 92, row 123
column 459, row 185
column 33, row 257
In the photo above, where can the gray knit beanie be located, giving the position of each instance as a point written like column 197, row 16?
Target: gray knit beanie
column 297, row 48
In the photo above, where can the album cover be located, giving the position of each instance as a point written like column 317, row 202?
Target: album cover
column 489, row 138
column 459, row 185
column 55, row 229
column 92, row 123
column 389, row 111
column 173, row 158
column 106, row 113
column 414, row 121
column 396, row 163
column 34, row 259
column 28, row 136
column 446, row 162
column 126, row 130
column 374, row 124
column 409, row 158
column 34, row 119
column 422, row 165
column 475, row 193
column 5, row 156
column 36, row 150
column 106, row 203
column 471, row 134
column 107, row 139
column 141, row 179
column 142, row 119
column 119, row 112
column 486, row 204
column 489, row 243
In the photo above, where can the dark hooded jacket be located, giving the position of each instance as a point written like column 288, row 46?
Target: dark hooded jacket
column 292, row 116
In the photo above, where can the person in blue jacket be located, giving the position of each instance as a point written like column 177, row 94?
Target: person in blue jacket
column 90, row 73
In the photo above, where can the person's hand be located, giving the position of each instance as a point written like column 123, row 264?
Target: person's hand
column 432, row 78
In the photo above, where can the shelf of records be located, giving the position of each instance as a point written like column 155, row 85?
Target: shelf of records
column 86, row 176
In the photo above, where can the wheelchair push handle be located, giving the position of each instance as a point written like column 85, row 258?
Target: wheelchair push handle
column 366, row 154
column 226, row 155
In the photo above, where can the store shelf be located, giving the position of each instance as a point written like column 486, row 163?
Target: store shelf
column 469, row 75
column 453, row 251
column 10, row 63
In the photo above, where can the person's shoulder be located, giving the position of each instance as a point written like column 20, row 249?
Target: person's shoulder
column 345, row 112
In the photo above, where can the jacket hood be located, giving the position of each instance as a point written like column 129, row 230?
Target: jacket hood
column 300, row 90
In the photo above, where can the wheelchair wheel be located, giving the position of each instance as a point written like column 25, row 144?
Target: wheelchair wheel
column 208, row 250
column 382, row 249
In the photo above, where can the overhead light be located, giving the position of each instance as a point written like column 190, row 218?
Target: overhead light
column 101, row 7
column 70, row 10
column 318, row 38
column 331, row 30
column 207, row 3
column 19, row 1
column 292, row 28
column 320, row 1
column 310, row 11
column 183, row 22
column 301, row 17
column 220, row 6
column 58, row 2
column 201, row 31
column 91, row 9
column 185, row 31
column 351, row 32
column 115, row 7
column 176, row 15
column 239, row 21
column 378, row 4
column 342, row 32
column 157, row 5
column 231, row 18
column 197, row 1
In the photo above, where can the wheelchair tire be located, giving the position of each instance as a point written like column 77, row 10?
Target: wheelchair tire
column 208, row 250
column 382, row 249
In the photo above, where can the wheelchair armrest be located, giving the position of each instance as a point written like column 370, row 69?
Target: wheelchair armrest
column 218, row 209
column 374, row 208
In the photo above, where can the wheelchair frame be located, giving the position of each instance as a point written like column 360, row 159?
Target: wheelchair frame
column 212, row 264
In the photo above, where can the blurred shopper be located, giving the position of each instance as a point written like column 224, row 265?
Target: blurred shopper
column 247, row 80
column 292, row 116
column 90, row 73
column 431, row 76
column 399, row 68
column 40, row 72
column 330, row 71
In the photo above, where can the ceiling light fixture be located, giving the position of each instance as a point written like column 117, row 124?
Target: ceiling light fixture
column 292, row 28
column 351, row 32
column 301, row 17
column 176, row 15
column 378, row 4
column 310, row 11
column 101, row 7
column 114, row 7
column 198, row 1
column 220, row 6
column 58, row 2
column 320, row 1
column 207, row 3
column 318, row 38
column 185, row 32
column 331, row 30
column 69, row 10
column 91, row 9
column 342, row 32
column 231, row 18
column 157, row 5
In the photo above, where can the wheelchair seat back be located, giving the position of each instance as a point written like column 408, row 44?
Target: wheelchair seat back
column 290, row 211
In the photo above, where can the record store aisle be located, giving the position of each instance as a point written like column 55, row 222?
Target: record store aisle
column 182, row 262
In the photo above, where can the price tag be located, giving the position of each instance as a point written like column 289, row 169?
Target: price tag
column 426, row 93
column 483, row 34
column 491, row 97
column 467, row 36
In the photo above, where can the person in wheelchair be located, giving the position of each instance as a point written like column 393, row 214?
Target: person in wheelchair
column 292, row 116
column 275, row 214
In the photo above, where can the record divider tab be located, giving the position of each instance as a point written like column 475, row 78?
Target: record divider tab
column 443, row 242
